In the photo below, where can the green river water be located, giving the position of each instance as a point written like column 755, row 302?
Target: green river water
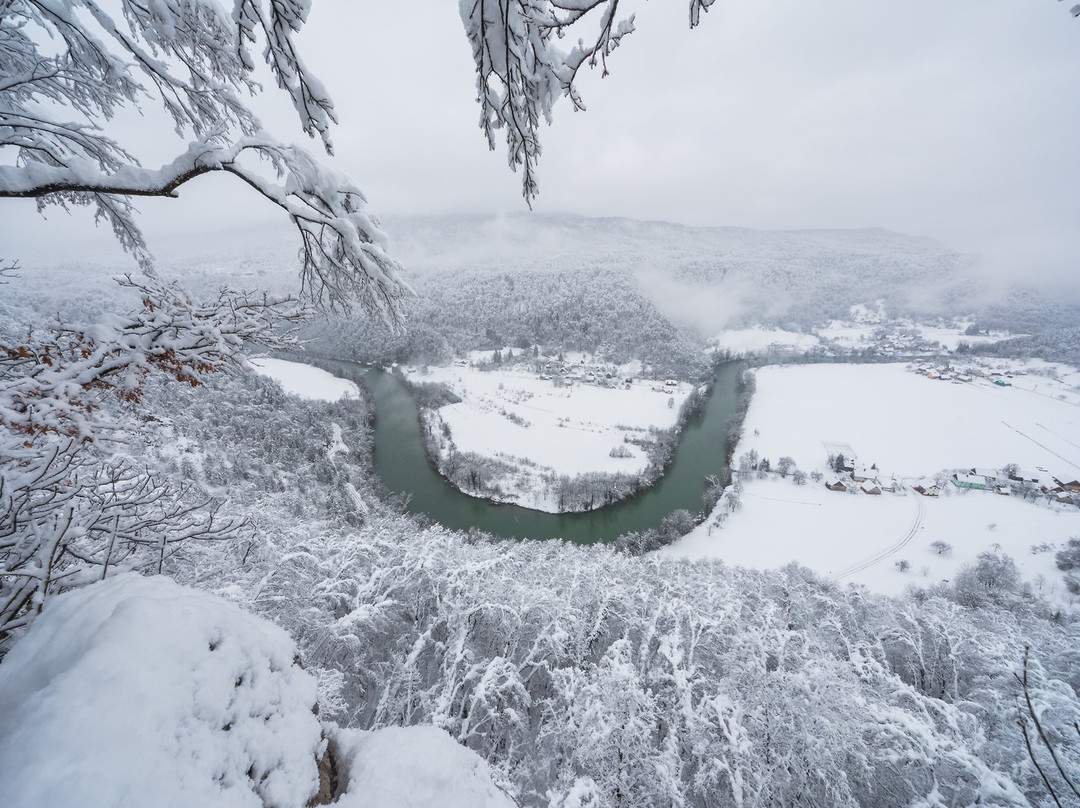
column 401, row 463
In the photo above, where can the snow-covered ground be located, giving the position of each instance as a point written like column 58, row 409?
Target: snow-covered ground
column 514, row 415
column 913, row 427
column 137, row 691
column 910, row 425
column 306, row 381
column 859, row 539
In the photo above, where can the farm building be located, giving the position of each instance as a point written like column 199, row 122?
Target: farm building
column 969, row 481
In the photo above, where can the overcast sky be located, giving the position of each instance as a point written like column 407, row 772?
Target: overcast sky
column 956, row 120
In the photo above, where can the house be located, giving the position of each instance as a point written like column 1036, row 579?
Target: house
column 870, row 488
column 1072, row 485
column 836, row 484
column 927, row 489
column 670, row 383
column 863, row 473
column 990, row 475
column 969, row 481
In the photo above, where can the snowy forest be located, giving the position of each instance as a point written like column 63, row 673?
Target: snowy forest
column 290, row 609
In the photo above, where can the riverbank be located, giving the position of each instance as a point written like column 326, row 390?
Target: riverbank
column 900, row 428
column 547, row 443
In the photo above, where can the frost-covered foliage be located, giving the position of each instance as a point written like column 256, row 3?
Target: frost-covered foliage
column 71, row 515
column 67, row 67
column 584, row 309
column 75, row 502
column 61, row 379
column 272, row 455
column 640, row 682
column 136, row 691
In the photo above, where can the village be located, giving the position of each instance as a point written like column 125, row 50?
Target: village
column 957, row 375
column 563, row 369
column 852, row 476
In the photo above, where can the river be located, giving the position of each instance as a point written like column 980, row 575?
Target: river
column 402, row 464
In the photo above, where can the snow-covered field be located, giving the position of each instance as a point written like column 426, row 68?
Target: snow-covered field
column 859, row 539
column 306, row 381
column 512, row 415
column 914, row 427
column 910, row 425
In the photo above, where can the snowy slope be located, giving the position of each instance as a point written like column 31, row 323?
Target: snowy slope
column 140, row 692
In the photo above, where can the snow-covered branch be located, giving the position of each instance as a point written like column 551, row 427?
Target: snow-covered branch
column 521, row 71
column 344, row 256
column 194, row 58
column 68, row 516
column 61, row 381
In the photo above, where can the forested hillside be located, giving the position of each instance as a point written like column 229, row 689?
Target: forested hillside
column 1055, row 345
column 580, row 310
column 589, row 677
column 586, row 676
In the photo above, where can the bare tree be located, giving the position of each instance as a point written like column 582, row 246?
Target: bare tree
column 1029, row 715
column 68, row 516
column 69, row 509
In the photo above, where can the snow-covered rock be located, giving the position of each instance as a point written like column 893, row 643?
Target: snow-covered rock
column 413, row 767
column 139, row 692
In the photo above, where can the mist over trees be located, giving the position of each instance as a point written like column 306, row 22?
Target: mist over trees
column 585, row 676
column 587, row 309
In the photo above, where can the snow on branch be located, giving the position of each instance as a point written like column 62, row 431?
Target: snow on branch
column 69, row 517
column 68, row 66
column 60, row 381
column 521, row 71
column 344, row 257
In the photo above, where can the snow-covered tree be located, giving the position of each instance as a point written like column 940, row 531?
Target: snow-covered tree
column 72, row 505
column 67, row 68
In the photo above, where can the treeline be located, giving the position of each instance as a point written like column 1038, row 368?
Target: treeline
column 1054, row 345
column 584, row 310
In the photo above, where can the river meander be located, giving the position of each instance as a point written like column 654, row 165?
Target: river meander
column 401, row 463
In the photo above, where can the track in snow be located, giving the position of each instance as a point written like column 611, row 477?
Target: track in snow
column 877, row 558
